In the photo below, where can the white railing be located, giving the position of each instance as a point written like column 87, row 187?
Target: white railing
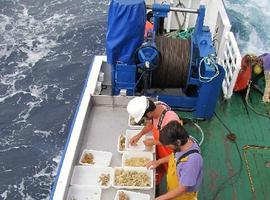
column 228, row 53
column 231, row 61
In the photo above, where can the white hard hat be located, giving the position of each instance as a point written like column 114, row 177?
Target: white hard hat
column 136, row 107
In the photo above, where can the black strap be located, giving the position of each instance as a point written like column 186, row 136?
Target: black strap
column 161, row 119
column 186, row 154
column 162, row 114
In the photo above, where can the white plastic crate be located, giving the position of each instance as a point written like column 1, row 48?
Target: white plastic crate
column 135, row 169
column 89, row 176
column 134, row 126
column 132, row 195
column 129, row 155
column 139, row 146
column 84, row 192
column 118, row 144
column 153, row 149
column 101, row 158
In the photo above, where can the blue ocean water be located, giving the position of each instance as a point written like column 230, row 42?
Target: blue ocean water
column 46, row 47
column 250, row 21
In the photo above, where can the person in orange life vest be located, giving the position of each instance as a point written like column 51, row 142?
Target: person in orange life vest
column 185, row 173
column 148, row 26
column 158, row 114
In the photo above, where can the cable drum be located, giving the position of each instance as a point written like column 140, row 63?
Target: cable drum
column 172, row 70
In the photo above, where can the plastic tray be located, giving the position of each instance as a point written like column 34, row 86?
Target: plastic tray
column 118, row 144
column 128, row 155
column 137, row 169
column 101, row 158
column 89, row 176
column 133, row 126
column 139, row 146
column 153, row 150
column 83, row 192
column 133, row 195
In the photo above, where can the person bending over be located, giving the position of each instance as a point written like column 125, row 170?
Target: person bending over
column 185, row 165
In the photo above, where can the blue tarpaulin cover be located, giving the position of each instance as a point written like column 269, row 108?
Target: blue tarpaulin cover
column 126, row 23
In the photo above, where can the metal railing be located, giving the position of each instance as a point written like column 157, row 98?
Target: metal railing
column 231, row 61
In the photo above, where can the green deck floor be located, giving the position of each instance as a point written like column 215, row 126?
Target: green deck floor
column 221, row 158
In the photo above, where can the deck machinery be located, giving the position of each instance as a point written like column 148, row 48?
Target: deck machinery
column 134, row 57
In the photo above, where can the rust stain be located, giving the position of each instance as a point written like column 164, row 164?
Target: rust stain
column 213, row 179
column 227, row 147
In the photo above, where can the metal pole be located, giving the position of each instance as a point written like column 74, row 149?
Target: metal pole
column 175, row 9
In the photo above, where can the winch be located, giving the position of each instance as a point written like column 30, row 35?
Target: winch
column 181, row 72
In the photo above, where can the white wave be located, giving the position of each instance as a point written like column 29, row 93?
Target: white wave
column 64, row 126
column 38, row 92
column 26, row 38
column 262, row 4
column 43, row 178
column 255, row 14
column 49, row 171
column 254, row 45
column 43, row 172
column 56, row 160
column 11, row 94
column 34, row 54
column 4, row 195
column 59, row 96
column 23, row 191
column 5, row 20
column 15, row 147
column 8, row 140
column 32, row 38
column 25, row 31
column 24, row 115
column 46, row 175
column 43, row 133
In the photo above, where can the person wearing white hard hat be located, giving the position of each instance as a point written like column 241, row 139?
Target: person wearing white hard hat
column 158, row 114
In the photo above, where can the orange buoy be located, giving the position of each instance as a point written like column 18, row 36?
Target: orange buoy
column 244, row 75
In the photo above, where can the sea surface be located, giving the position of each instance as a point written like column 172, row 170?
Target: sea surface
column 46, row 48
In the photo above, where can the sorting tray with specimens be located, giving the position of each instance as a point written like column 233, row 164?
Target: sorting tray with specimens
column 139, row 146
column 142, row 180
column 90, row 176
column 100, row 158
column 136, row 159
column 119, row 143
column 133, row 125
column 132, row 195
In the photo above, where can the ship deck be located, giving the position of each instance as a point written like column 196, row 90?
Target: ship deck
column 233, row 170
column 240, row 169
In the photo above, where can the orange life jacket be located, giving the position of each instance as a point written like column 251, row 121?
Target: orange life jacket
column 244, row 75
column 148, row 26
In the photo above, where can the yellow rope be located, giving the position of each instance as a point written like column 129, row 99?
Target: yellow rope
column 245, row 148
